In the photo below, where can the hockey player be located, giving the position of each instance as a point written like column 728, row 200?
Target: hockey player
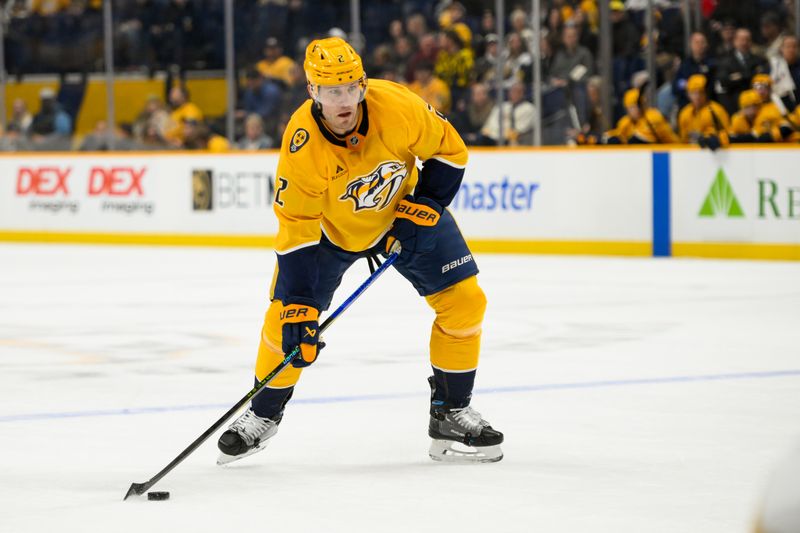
column 771, row 124
column 642, row 124
column 347, row 187
column 743, row 122
column 702, row 121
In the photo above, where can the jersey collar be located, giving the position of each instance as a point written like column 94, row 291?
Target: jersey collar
column 331, row 137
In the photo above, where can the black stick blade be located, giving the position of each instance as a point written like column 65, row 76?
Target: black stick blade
column 137, row 489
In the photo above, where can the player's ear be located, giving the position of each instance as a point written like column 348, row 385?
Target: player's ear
column 310, row 91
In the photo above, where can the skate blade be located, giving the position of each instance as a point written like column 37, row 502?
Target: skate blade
column 448, row 451
column 225, row 459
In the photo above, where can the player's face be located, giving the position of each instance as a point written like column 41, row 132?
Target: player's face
column 763, row 90
column 697, row 98
column 340, row 105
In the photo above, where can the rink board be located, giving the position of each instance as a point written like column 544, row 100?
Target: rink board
column 743, row 202
column 736, row 203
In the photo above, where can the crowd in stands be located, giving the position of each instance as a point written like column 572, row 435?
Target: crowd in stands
column 737, row 81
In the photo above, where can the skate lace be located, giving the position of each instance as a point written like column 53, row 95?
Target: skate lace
column 250, row 426
column 469, row 418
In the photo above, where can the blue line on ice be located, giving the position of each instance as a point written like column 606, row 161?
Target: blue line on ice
column 394, row 396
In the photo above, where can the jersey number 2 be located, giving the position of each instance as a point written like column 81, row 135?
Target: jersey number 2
column 282, row 187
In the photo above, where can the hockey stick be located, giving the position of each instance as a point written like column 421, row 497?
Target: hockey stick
column 140, row 488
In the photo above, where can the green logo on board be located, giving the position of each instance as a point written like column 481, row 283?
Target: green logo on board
column 721, row 199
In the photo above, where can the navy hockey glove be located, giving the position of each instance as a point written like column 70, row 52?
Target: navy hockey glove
column 300, row 327
column 711, row 142
column 415, row 225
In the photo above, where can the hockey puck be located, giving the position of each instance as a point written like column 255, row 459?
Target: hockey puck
column 158, row 496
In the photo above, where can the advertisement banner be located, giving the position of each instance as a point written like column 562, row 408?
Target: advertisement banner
column 506, row 196
column 560, row 195
column 197, row 194
column 736, row 196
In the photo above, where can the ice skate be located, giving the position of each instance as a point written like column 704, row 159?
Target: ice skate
column 247, row 435
column 461, row 435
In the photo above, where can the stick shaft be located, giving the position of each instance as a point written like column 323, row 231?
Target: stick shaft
column 140, row 488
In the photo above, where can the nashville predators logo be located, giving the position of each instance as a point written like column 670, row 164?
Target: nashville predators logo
column 299, row 138
column 376, row 189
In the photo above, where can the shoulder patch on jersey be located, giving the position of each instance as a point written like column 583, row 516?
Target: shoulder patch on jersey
column 439, row 114
column 299, row 138
column 376, row 189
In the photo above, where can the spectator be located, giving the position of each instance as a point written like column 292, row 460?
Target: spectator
column 743, row 122
column 625, row 35
column 470, row 121
column 488, row 24
column 702, row 121
column 516, row 61
column 275, row 65
column 518, row 117
column 174, row 33
column 520, row 26
column 430, row 88
column 554, row 23
column 785, row 71
column 150, row 138
column 587, row 38
column 773, row 33
column 745, row 13
column 402, row 50
column 697, row 62
column 12, row 140
column 454, row 64
column 182, row 110
column 416, row 27
column 97, row 140
column 293, row 98
column 155, row 116
column 572, row 62
column 592, row 130
column 254, row 137
column 625, row 48
column 198, row 136
column 486, row 65
column 51, row 119
column 48, row 8
column 21, row 118
column 297, row 93
column 737, row 69
column 381, row 64
column 642, row 124
column 129, row 41
column 260, row 96
column 770, row 125
column 396, row 29
column 722, row 37
column 428, row 50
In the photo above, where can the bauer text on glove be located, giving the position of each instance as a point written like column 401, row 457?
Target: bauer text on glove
column 415, row 225
column 300, row 327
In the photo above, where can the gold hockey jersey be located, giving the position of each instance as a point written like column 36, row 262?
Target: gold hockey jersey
column 348, row 187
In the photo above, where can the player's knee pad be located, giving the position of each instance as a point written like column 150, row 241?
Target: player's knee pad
column 460, row 308
column 270, row 353
column 456, row 332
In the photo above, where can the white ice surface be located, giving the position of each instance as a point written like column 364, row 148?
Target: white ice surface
column 636, row 395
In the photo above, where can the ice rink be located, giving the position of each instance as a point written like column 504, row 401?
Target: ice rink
column 635, row 395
